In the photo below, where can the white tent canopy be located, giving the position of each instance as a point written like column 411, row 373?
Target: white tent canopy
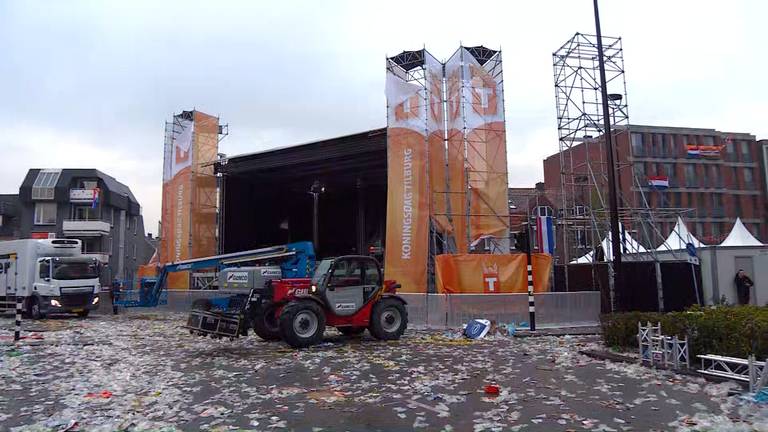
column 740, row 236
column 679, row 238
column 629, row 245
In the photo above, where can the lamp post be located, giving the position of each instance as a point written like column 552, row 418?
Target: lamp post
column 315, row 190
column 612, row 196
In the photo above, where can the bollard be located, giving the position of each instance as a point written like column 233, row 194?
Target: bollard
column 17, row 330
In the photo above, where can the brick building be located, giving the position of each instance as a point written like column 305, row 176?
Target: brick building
column 524, row 205
column 717, row 187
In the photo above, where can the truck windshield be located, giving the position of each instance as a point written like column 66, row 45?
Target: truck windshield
column 321, row 271
column 75, row 270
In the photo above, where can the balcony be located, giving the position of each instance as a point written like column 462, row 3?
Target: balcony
column 85, row 228
column 81, row 195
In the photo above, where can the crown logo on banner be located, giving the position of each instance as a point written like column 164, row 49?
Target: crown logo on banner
column 491, row 268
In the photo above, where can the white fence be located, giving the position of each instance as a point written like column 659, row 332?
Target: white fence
column 556, row 309
column 560, row 309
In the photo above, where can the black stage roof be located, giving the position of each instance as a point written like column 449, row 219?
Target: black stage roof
column 362, row 155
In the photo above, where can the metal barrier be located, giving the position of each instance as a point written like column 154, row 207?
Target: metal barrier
column 557, row 309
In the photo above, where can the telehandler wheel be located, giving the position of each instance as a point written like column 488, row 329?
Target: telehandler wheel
column 302, row 324
column 265, row 322
column 351, row 331
column 388, row 319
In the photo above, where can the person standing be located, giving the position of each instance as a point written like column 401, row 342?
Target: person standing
column 743, row 285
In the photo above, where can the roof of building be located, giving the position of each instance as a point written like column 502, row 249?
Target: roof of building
column 116, row 194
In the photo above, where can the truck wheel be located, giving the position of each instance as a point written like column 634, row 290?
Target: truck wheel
column 34, row 309
column 202, row 304
column 302, row 324
column 351, row 331
column 265, row 322
column 388, row 319
column 83, row 314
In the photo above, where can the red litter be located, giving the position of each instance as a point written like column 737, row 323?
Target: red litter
column 106, row 394
column 492, row 389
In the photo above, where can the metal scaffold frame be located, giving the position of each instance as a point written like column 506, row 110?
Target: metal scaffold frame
column 583, row 220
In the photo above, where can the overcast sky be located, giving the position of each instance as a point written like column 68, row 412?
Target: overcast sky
column 90, row 84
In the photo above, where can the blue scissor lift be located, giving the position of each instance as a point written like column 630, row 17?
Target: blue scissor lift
column 296, row 260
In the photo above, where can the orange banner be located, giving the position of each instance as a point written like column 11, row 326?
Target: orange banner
column 407, row 210
column 487, row 158
column 491, row 273
column 189, row 191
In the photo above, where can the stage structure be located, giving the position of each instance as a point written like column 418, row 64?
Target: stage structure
column 447, row 175
column 584, row 217
column 189, row 208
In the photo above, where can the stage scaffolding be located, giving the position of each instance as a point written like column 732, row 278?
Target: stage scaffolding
column 583, row 219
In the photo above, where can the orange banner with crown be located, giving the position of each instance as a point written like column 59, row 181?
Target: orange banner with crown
column 491, row 274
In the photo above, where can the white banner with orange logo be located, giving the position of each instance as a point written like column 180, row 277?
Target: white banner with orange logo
column 483, row 113
column 456, row 169
column 491, row 273
column 407, row 248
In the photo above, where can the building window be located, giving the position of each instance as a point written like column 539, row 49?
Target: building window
column 690, row 175
column 737, row 205
column 715, row 229
column 45, row 183
column 669, row 171
column 697, row 209
column 91, row 244
column 730, row 151
column 638, row 148
column 746, row 155
column 543, row 211
column 708, row 140
column 135, row 224
column 700, row 229
column 715, row 178
column 717, row 205
column 88, row 184
column 45, row 213
column 671, row 148
column 658, row 145
column 85, row 213
column 134, row 251
column 640, row 172
column 749, row 181
column 674, row 199
column 112, row 216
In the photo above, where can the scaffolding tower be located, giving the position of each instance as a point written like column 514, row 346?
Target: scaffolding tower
column 583, row 220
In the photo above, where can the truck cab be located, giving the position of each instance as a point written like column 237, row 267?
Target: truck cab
column 50, row 276
column 65, row 285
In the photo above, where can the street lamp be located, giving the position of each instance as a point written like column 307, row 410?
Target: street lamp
column 315, row 190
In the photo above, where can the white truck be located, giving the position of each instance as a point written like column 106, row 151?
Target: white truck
column 51, row 276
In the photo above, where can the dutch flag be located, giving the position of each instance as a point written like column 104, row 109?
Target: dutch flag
column 658, row 182
column 546, row 234
column 95, row 198
column 693, row 151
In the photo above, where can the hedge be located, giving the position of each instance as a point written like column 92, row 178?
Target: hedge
column 735, row 331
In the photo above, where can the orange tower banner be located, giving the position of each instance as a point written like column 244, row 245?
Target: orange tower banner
column 491, row 273
column 414, row 129
column 188, row 219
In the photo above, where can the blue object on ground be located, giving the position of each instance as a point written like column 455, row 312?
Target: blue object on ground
column 477, row 328
column 762, row 396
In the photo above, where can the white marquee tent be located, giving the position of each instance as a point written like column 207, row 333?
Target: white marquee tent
column 740, row 236
column 629, row 245
column 679, row 238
